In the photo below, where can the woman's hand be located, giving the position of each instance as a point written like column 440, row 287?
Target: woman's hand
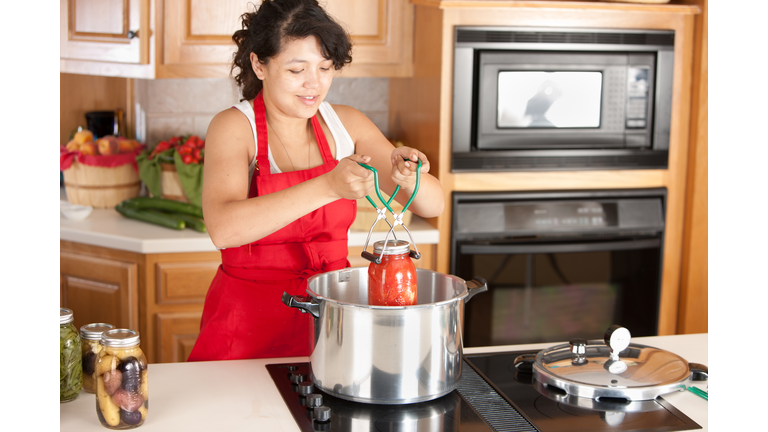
column 349, row 180
column 404, row 171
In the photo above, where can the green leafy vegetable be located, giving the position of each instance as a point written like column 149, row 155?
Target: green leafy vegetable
column 70, row 364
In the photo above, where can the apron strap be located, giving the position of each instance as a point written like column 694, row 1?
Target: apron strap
column 322, row 143
column 260, row 113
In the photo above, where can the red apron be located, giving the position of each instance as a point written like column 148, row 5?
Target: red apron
column 244, row 316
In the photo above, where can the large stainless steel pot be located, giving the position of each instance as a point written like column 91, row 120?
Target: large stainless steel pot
column 385, row 354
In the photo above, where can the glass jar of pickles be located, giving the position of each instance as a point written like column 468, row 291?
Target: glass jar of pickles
column 90, row 339
column 393, row 282
column 121, row 374
column 70, row 365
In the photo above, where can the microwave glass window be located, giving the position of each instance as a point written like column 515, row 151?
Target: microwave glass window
column 537, row 99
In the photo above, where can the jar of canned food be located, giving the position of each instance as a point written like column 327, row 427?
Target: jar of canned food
column 70, row 363
column 393, row 281
column 122, row 395
column 90, row 339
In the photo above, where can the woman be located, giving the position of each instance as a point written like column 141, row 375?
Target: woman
column 281, row 178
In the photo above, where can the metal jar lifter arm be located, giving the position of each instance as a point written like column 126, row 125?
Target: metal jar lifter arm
column 382, row 215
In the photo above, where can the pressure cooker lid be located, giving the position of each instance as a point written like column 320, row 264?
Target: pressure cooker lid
column 611, row 368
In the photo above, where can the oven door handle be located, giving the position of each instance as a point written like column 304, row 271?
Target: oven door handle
column 528, row 248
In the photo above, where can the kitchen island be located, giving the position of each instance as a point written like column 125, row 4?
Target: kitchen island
column 240, row 395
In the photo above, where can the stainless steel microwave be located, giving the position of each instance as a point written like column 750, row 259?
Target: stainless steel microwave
column 561, row 99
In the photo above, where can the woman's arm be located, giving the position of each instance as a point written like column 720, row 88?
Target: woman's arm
column 231, row 218
column 391, row 165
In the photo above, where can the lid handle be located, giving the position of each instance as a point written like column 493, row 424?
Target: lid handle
column 617, row 339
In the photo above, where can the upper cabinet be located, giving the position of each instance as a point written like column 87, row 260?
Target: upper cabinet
column 106, row 37
column 192, row 38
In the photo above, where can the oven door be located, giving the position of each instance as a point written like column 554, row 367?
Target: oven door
column 555, row 289
column 559, row 264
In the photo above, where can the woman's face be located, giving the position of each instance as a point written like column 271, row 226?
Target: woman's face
column 296, row 80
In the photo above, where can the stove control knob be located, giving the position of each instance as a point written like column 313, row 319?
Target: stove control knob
column 579, row 351
column 314, row 400
column 306, row 388
column 297, row 378
column 322, row 414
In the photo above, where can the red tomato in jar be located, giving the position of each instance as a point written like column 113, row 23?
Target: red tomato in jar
column 393, row 282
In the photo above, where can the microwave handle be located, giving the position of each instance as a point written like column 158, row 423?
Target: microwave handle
column 528, row 248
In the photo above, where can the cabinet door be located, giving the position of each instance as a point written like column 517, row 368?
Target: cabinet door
column 198, row 36
column 172, row 302
column 105, row 30
column 177, row 333
column 382, row 33
column 100, row 290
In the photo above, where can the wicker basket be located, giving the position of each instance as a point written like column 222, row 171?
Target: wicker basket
column 100, row 187
column 170, row 183
column 366, row 215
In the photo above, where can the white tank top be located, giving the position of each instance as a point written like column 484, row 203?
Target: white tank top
column 344, row 144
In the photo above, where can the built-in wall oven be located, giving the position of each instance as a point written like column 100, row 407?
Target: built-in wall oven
column 559, row 264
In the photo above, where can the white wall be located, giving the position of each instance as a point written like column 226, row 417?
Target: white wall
column 186, row 106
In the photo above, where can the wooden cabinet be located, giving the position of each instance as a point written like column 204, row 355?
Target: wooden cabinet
column 160, row 295
column 106, row 37
column 100, row 286
column 420, row 112
column 193, row 38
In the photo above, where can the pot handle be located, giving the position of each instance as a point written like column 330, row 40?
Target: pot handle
column 475, row 286
column 699, row 372
column 303, row 303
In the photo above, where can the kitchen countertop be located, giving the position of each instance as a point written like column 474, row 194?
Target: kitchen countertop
column 240, row 395
column 108, row 228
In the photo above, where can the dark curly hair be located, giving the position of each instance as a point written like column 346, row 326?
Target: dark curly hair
column 277, row 21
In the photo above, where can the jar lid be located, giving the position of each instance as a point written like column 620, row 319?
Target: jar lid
column 65, row 316
column 93, row 331
column 394, row 247
column 120, row 338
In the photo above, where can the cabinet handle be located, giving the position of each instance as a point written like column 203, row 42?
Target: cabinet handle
column 132, row 34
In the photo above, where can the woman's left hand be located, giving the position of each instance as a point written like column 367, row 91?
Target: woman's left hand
column 404, row 165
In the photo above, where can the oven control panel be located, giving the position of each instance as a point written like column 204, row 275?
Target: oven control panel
column 508, row 218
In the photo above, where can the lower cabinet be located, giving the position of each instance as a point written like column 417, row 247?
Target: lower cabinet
column 160, row 295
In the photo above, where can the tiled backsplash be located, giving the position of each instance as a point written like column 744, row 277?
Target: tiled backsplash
column 186, row 106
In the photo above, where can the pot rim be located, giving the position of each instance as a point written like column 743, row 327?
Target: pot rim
column 463, row 295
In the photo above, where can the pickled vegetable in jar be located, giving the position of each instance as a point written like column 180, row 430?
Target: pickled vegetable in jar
column 90, row 339
column 122, row 395
column 393, row 282
column 70, row 364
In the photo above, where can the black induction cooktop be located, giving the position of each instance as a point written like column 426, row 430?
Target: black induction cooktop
column 492, row 396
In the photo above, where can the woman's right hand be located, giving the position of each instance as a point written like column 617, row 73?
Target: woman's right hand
column 349, row 180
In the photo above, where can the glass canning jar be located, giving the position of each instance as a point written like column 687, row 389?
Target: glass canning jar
column 393, row 282
column 90, row 339
column 122, row 396
column 70, row 365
